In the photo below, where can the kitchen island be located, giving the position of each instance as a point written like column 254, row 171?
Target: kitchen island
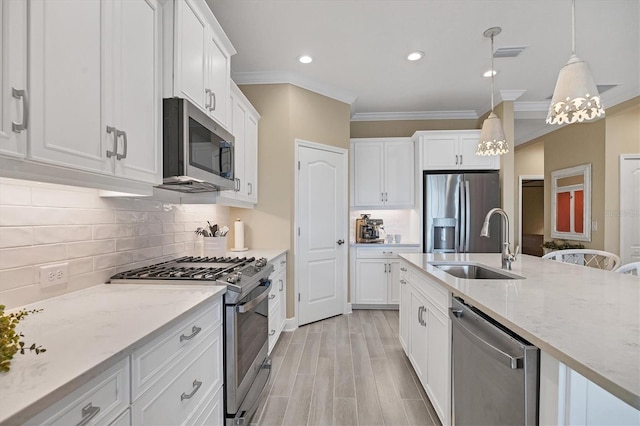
column 586, row 318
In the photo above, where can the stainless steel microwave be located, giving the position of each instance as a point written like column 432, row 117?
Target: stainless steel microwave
column 197, row 152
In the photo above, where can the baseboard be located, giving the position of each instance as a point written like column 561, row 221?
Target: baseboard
column 349, row 310
column 290, row 324
column 375, row 306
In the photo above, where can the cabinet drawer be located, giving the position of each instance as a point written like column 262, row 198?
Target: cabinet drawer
column 123, row 420
column 280, row 264
column 101, row 401
column 152, row 360
column 434, row 292
column 211, row 413
column 175, row 397
column 383, row 252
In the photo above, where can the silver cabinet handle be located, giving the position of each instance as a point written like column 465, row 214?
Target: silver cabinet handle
column 196, row 386
column 194, row 331
column 420, row 308
column 88, row 413
column 389, row 268
column 385, row 268
column 420, row 318
column 213, row 101
column 250, row 188
column 238, row 185
column 281, row 287
column 272, row 296
column 460, row 159
column 124, row 147
column 207, row 101
column 382, row 196
column 386, row 196
column 403, row 282
column 21, row 94
column 111, row 129
column 272, row 332
column 403, row 269
column 282, row 262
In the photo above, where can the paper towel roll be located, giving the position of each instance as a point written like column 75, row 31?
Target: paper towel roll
column 238, row 236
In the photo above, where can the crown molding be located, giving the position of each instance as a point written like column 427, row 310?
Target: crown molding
column 281, row 77
column 415, row 115
column 511, row 94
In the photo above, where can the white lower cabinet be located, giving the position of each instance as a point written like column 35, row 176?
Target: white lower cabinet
column 376, row 275
column 176, row 378
column 101, row 401
column 277, row 300
column 425, row 334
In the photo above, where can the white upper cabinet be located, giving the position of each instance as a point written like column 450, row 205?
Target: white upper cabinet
column 453, row 150
column 201, row 59
column 87, row 97
column 13, row 78
column 382, row 172
column 245, row 132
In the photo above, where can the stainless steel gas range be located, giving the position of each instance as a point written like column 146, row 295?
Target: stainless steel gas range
column 246, row 319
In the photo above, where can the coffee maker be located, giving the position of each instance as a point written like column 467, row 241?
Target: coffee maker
column 368, row 230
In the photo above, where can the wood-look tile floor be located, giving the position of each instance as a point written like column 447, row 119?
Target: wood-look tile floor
column 345, row 370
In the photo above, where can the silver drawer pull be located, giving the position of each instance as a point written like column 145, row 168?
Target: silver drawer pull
column 88, row 413
column 21, row 94
column 195, row 330
column 272, row 296
column 403, row 269
column 196, row 386
column 281, row 287
column 272, row 332
column 282, row 262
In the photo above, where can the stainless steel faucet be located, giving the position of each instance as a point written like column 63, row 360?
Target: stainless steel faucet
column 507, row 256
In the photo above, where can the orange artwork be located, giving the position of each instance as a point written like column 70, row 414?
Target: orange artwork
column 563, row 212
column 578, row 206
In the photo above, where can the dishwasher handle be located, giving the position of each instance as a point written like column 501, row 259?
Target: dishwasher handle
column 513, row 362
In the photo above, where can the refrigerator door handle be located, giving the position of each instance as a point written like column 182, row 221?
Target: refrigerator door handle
column 467, row 204
column 463, row 217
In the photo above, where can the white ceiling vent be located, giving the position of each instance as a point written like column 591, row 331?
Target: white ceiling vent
column 508, row 52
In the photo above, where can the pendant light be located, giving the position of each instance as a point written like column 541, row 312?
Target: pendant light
column 576, row 98
column 492, row 138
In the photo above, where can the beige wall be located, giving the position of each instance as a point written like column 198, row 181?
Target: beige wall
column 528, row 161
column 575, row 145
column 623, row 137
column 287, row 113
column 406, row 128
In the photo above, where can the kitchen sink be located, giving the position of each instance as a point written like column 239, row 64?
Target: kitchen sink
column 473, row 271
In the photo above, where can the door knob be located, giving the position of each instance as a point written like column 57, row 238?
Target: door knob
column 340, row 242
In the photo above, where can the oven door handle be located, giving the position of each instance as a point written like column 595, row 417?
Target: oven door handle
column 247, row 306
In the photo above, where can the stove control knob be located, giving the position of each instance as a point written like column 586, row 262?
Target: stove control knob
column 234, row 278
column 261, row 262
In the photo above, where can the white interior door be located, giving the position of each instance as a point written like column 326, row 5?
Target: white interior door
column 321, row 252
column 629, row 203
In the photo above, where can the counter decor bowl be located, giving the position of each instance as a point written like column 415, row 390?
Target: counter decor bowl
column 10, row 341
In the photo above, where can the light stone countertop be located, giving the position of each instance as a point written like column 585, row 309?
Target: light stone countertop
column 587, row 318
column 85, row 332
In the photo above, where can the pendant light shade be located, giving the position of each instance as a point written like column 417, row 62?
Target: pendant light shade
column 575, row 98
column 492, row 138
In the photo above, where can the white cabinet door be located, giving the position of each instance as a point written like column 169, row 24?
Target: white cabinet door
column 438, row 362
column 190, row 64
column 251, row 158
column 405, row 308
column 468, row 145
column 371, row 281
column 418, row 335
column 368, row 173
column 239, row 133
column 13, row 78
column 137, row 96
column 393, row 276
column 95, row 103
column 68, row 66
column 217, row 79
column 398, row 174
column 440, row 151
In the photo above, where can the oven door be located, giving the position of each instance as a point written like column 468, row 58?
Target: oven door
column 247, row 335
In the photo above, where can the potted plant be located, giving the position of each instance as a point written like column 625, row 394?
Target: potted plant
column 558, row 244
column 10, row 341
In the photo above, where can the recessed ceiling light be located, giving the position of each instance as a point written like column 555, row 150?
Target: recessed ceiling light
column 305, row 59
column 415, row 56
column 489, row 73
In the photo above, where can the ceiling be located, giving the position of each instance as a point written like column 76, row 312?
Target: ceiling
column 359, row 49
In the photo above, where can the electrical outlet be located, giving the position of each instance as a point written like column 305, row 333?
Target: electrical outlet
column 54, row 274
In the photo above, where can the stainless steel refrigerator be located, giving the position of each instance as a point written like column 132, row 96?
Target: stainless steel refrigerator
column 455, row 205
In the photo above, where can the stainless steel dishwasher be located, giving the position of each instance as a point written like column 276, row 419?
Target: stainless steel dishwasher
column 495, row 372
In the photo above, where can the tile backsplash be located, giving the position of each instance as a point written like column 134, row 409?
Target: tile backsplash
column 43, row 224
